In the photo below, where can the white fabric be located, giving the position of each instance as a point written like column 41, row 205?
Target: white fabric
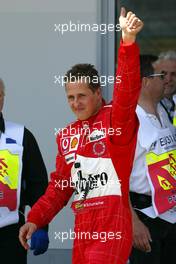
column 15, row 131
column 138, row 179
column 148, row 134
column 99, row 174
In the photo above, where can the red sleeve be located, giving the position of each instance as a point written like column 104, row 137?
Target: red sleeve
column 126, row 94
column 56, row 195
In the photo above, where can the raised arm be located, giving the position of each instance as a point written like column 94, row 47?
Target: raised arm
column 126, row 92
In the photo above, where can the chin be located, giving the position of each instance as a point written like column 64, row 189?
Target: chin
column 82, row 117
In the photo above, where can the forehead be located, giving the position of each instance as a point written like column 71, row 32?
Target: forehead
column 77, row 87
column 166, row 65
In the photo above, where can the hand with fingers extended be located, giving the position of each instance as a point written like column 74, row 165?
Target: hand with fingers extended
column 130, row 24
column 141, row 235
column 25, row 233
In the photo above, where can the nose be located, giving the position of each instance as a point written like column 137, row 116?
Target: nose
column 75, row 102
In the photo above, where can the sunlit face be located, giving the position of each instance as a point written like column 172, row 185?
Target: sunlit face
column 82, row 100
column 1, row 96
column 153, row 87
column 169, row 67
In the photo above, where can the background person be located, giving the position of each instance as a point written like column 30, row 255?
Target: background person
column 152, row 181
column 23, row 179
column 167, row 63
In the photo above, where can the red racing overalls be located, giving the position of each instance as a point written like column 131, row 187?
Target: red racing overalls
column 95, row 158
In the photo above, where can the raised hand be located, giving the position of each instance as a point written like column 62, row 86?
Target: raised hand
column 130, row 24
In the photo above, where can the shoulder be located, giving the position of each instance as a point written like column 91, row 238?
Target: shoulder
column 29, row 141
column 107, row 107
column 15, row 131
column 11, row 125
column 68, row 130
column 140, row 111
column 105, row 111
column 28, row 134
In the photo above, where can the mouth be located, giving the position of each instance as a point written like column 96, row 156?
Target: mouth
column 79, row 110
column 168, row 85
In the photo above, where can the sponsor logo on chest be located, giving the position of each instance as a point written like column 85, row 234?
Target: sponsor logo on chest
column 69, row 144
column 96, row 135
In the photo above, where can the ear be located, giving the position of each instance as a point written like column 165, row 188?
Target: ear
column 145, row 82
column 99, row 93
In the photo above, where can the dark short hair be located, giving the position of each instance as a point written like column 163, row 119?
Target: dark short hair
column 85, row 71
column 146, row 66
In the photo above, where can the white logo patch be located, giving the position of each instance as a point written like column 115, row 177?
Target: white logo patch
column 70, row 158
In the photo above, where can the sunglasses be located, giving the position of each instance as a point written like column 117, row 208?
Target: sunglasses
column 160, row 75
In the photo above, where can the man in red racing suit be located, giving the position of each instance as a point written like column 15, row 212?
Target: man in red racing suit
column 95, row 157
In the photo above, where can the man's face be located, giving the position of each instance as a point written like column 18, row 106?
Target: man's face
column 153, row 87
column 1, row 97
column 169, row 67
column 157, row 87
column 82, row 100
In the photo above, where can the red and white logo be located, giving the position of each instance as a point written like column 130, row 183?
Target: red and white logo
column 69, row 144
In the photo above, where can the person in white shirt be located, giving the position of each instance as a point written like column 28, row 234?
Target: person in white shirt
column 153, row 178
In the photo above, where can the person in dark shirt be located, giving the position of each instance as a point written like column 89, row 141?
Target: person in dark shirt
column 22, row 182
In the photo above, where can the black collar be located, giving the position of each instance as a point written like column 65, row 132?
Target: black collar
column 2, row 124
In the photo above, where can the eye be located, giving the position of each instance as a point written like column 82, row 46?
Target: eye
column 82, row 95
column 70, row 98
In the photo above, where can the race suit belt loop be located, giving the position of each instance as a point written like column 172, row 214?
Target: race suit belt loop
column 140, row 201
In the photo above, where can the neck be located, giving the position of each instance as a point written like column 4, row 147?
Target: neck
column 150, row 106
column 98, row 107
column 169, row 97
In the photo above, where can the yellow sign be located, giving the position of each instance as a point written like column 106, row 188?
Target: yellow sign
column 165, row 184
column 170, row 156
column 162, row 175
column 9, row 168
